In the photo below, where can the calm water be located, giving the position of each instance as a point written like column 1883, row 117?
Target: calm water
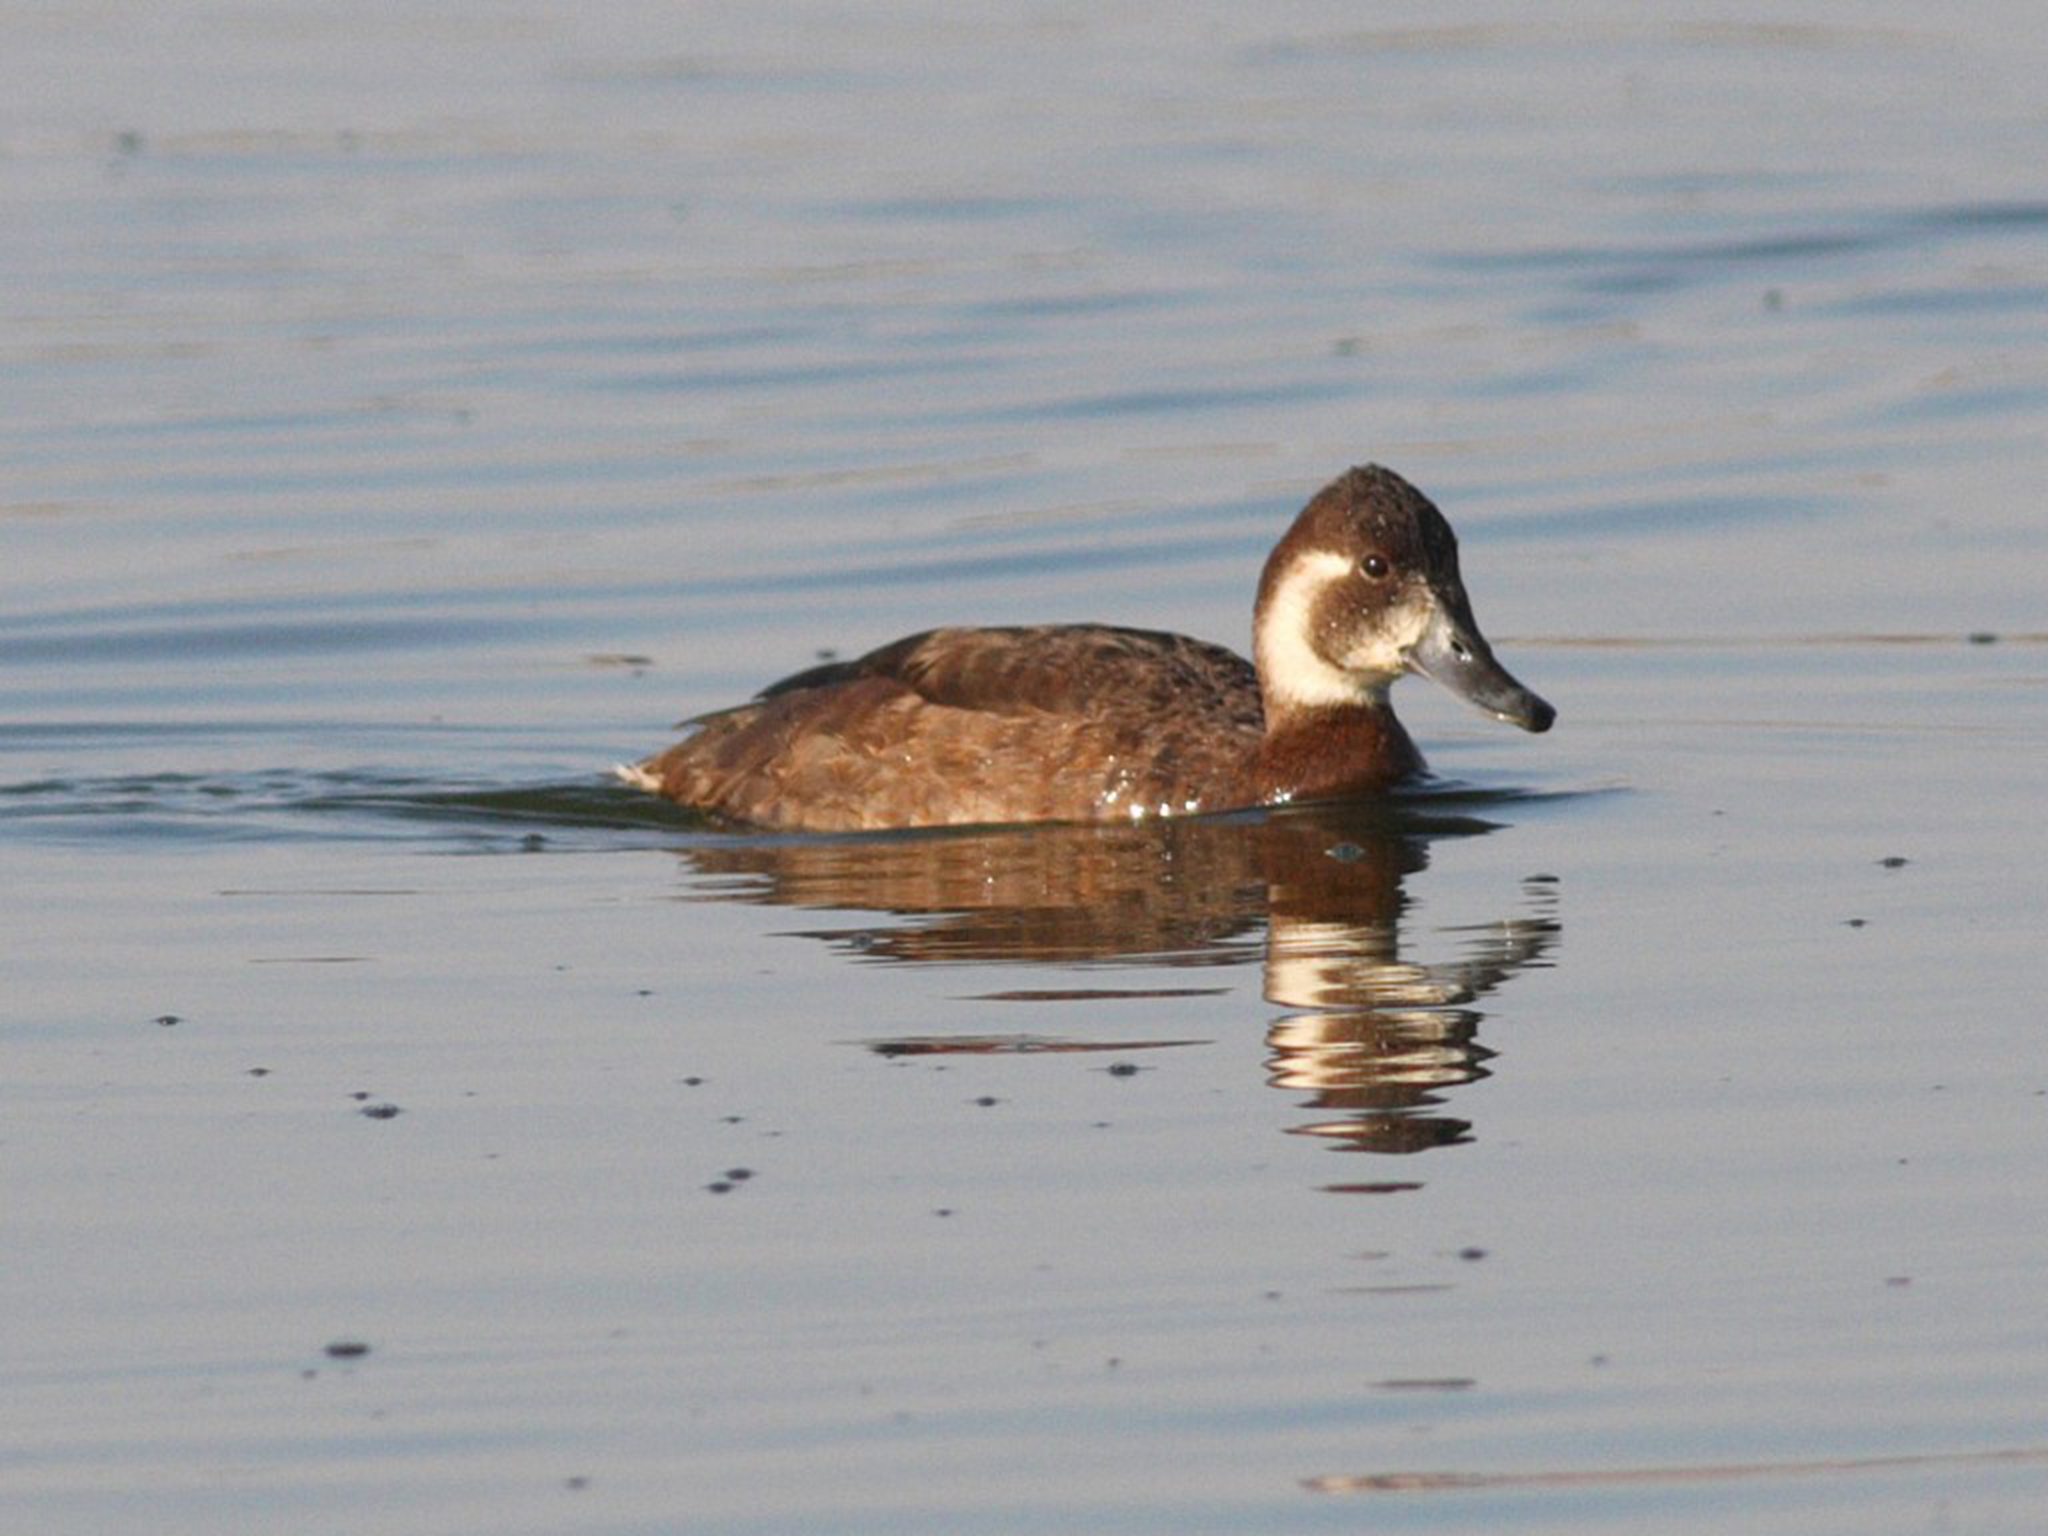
column 406, row 416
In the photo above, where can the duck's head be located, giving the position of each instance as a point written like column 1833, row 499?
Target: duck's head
column 1365, row 587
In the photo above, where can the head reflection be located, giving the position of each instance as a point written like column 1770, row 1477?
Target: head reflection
column 1374, row 1042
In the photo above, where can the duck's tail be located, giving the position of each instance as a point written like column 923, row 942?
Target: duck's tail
column 637, row 775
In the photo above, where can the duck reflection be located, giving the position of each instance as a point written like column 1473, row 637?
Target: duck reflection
column 1373, row 1041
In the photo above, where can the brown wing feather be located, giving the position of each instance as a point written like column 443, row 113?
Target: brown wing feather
column 1056, row 669
column 970, row 725
column 884, row 661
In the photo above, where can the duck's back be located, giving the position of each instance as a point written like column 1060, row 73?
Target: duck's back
column 957, row 726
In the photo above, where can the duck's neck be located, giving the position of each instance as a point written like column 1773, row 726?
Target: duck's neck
column 1326, row 751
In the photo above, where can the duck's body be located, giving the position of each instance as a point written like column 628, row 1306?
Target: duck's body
column 1070, row 722
column 1085, row 722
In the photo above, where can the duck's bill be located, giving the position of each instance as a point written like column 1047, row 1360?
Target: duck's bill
column 1457, row 656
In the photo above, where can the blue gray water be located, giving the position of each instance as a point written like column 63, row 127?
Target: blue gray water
column 407, row 415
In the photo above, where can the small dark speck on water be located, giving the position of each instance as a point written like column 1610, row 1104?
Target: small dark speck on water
column 1983, row 637
column 1894, row 861
column 987, row 1101
column 259, row 1072
column 719, row 1187
column 739, row 1175
column 575, row 1484
column 381, row 1111
column 1123, row 1069
column 347, row 1349
column 166, row 1020
column 693, row 1082
column 1471, row 1255
column 1855, row 922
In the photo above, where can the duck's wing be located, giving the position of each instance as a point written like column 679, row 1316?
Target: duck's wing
column 1060, row 669
column 1058, row 723
column 885, row 661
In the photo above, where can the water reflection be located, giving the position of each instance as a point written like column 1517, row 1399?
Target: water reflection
column 1376, row 1041
column 1314, row 895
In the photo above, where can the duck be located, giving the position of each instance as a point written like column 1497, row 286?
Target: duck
column 1099, row 722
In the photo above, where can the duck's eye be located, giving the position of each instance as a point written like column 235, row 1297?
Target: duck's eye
column 1375, row 566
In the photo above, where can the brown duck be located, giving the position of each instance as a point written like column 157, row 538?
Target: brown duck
column 1090, row 722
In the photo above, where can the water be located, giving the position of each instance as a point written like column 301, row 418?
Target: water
column 407, row 416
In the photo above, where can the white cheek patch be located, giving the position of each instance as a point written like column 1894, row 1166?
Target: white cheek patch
column 1296, row 672
column 1385, row 650
column 1290, row 666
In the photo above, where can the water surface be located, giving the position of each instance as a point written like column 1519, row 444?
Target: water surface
column 1642, row 1129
